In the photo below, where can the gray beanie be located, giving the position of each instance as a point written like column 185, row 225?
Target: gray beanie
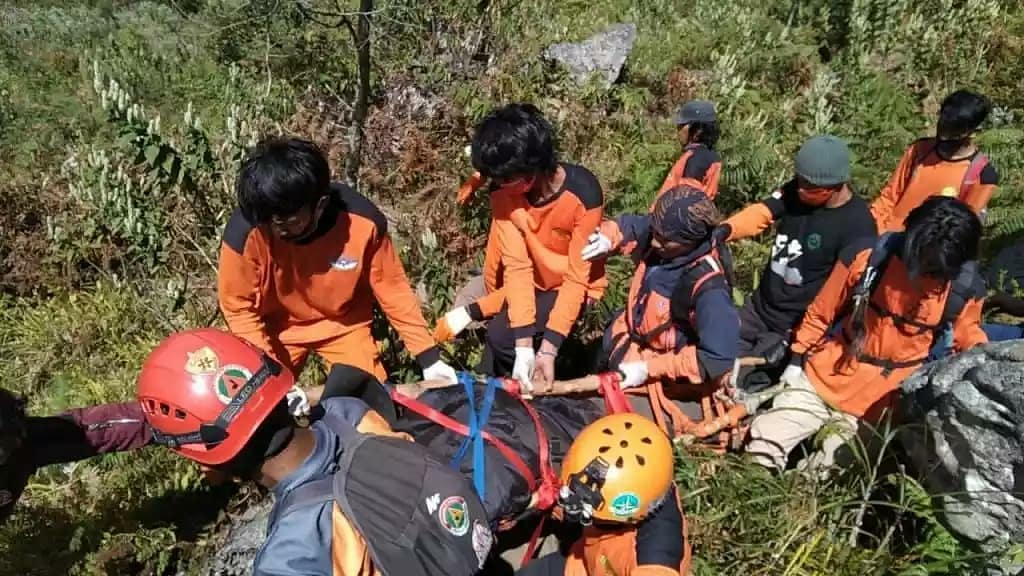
column 824, row 161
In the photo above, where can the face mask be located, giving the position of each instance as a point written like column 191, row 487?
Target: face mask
column 814, row 196
column 517, row 187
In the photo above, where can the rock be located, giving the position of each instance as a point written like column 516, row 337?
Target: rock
column 967, row 438
column 1006, row 272
column 603, row 54
column 245, row 536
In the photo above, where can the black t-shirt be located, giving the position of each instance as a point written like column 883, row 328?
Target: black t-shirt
column 807, row 244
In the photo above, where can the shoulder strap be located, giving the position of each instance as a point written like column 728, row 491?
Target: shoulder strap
column 961, row 292
column 311, row 493
column 973, row 174
column 877, row 261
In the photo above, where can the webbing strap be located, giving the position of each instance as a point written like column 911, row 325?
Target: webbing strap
column 443, row 420
column 477, row 423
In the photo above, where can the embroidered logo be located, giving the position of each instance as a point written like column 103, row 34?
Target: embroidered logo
column 814, row 241
column 344, row 263
column 454, row 515
column 483, row 539
column 432, row 502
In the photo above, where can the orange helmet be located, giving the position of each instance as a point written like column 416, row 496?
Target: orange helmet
column 205, row 392
column 618, row 469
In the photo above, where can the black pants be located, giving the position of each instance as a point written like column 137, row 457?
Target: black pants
column 550, row 565
column 756, row 338
column 500, row 349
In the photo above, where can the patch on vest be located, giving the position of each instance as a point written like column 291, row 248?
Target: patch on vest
column 230, row 380
column 454, row 516
column 483, row 539
column 626, row 504
column 949, row 192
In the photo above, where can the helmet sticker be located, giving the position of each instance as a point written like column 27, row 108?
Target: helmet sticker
column 626, row 504
column 202, row 361
column 454, row 515
column 229, row 380
column 483, row 539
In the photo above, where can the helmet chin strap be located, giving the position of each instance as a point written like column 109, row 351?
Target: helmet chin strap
column 582, row 494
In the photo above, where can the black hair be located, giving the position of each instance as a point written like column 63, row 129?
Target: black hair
column 941, row 235
column 281, row 176
column 515, row 140
column 705, row 133
column 271, row 437
column 962, row 112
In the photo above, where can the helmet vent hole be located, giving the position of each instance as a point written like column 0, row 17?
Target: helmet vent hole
column 607, row 431
column 645, row 440
column 640, row 460
column 603, row 449
column 619, row 463
column 623, row 444
column 151, row 405
column 179, row 414
column 629, row 425
column 165, row 409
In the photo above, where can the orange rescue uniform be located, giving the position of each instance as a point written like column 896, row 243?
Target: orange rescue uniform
column 923, row 173
column 539, row 247
column 699, row 163
column 290, row 298
column 861, row 388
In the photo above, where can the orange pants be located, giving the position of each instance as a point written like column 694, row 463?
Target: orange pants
column 356, row 348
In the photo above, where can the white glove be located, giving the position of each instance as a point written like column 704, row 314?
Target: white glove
column 633, row 374
column 440, row 371
column 457, row 320
column 792, row 375
column 522, row 370
column 598, row 245
column 298, row 403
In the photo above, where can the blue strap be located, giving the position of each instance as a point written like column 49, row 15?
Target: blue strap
column 467, row 382
column 479, row 466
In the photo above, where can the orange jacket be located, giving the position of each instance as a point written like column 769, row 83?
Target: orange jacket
column 922, row 173
column 860, row 388
column 699, row 163
column 304, row 293
column 540, row 248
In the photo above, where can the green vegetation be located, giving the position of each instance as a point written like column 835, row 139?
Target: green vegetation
column 121, row 125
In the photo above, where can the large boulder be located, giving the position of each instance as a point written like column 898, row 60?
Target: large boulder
column 603, row 54
column 967, row 437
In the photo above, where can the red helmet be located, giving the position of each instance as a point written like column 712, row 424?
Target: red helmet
column 205, row 392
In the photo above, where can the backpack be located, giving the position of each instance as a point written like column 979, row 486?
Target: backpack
column 416, row 515
column 963, row 289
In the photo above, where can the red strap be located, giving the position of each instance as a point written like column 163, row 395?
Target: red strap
column 614, row 399
column 441, row 419
column 531, row 549
column 973, row 175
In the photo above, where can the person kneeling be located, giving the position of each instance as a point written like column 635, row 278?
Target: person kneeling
column 908, row 291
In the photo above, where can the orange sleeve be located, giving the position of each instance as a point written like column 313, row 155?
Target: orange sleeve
column 979, row 196
column 832, row 297
column 674, row 175
column 491, row 304
column 401, row 306
column 750, row 221
column 240, row 294
column 573, row 291
column 518, row 269
column 675, row 365
column 711, row 180
column 492, row 261
column 967, row 332
column 883, row 206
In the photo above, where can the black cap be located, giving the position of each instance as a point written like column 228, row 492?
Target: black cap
column 695, row 111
